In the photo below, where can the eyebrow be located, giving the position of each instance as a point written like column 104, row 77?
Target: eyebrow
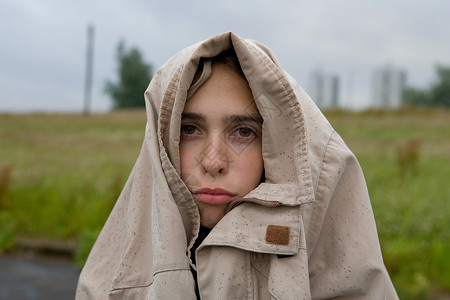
column 244, row 118
column 193, row 116
column 227, row 119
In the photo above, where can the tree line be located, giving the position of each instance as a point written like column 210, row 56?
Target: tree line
column 437, row 94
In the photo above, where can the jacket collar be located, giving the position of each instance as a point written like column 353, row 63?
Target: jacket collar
column 268, row 220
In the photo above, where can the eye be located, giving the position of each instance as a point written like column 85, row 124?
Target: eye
column 244, row 132
column 188, row 129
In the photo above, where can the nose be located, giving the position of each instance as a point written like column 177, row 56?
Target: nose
column 214, row 159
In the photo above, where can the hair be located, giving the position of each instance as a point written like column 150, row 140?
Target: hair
column 229, row 59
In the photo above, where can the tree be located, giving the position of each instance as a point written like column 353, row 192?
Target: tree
column 440, row 92
column 134, row 76
column 416, row 97
column 437, row 95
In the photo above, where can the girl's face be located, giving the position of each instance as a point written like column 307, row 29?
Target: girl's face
column 220, row 143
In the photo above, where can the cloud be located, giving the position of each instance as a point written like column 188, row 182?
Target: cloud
column 43, row 60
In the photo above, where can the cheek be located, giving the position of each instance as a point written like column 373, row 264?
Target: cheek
column 250, row 167
column 187, row 162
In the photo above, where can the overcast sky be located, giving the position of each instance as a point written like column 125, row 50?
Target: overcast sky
column 43, row 42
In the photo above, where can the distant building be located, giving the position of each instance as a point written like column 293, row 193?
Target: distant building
column 324, row 89
column 387, row 87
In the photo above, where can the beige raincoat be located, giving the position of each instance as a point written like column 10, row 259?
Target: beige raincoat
column 307, row 232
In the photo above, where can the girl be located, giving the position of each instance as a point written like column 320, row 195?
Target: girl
column 242, row 190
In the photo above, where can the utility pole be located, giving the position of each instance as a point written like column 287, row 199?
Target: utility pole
column 89, row 68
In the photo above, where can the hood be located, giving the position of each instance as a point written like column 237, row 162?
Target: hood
column 285, row 144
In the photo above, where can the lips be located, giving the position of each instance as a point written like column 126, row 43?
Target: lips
column 213, row 196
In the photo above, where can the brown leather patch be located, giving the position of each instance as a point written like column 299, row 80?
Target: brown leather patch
column 278, row 235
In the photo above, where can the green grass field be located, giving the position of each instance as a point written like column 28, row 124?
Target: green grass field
column 60, row 175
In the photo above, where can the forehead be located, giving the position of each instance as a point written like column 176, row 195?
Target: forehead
column 225, row 92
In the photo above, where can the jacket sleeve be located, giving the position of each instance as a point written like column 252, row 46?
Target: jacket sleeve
column 345, row 261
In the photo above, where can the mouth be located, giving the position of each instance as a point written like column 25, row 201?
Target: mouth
column 213, row 196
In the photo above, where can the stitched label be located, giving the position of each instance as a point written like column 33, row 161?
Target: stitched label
column 278, row 235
